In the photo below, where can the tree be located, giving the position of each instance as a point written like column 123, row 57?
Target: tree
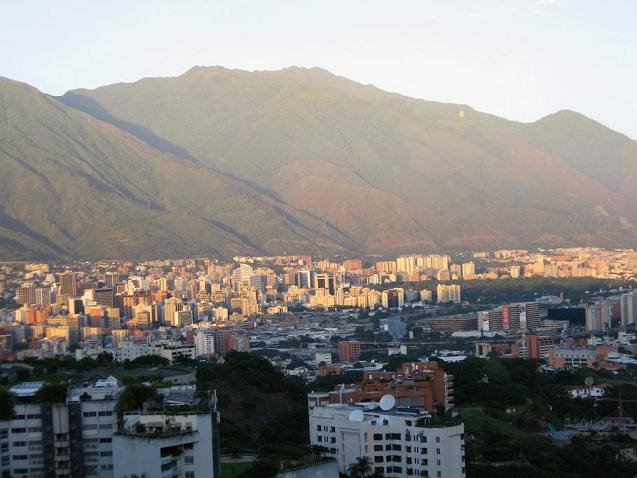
column 318, row 452
column 7, row 401
column 52, row 393
column 133, row 397
column 362, row 469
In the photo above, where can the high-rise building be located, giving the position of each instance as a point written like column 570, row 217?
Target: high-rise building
column 68, row 284
column 111, row 279
column 597, row 316
column 26, row 294
column 628, row 304
column 393, row 298
column 82, row 437
column 468, row 270
column 43, row 296
column 448, row 293
column 104, row 297
column 325, row 281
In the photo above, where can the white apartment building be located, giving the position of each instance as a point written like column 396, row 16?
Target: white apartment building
column 71, row 438
column 80, row 437
column 155, row 445
column 398, row 442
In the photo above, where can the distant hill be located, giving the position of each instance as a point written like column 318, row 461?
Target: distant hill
column 393, row 173
column 228, row 161
column 75, row 186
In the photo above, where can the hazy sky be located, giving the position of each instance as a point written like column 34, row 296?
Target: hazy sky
column 521, row 59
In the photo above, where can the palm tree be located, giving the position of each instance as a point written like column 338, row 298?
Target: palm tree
column 362, row 469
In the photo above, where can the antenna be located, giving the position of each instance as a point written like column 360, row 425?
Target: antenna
column 387, row 402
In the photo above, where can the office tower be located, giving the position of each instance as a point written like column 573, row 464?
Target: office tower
column 241, row 277
column 529, row 315
column 258, row 282
column 26, row 294
column 393, row 298
column 68, row 284
column 349, row 351
column 495, row 319
column 628, row 305
column 111, row 279
column 171, row 307
column 43, row 296
column 324, row 281
column 303, row 279
column 104, row 297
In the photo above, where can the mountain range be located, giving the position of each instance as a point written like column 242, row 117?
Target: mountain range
column 219, row 161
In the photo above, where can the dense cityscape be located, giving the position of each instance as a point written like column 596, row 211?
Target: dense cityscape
column 113, row 354
column 299, row 239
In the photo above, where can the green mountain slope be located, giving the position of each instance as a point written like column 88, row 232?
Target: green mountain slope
column 74, row 186
column 390, row 172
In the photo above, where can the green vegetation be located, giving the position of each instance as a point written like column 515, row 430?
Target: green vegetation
column 6, row 404
column 402, row 173
column 508, row 406
column 52, row 393
column 261, row 409
column 235, row 470
column 148, row 203
column 134, row 395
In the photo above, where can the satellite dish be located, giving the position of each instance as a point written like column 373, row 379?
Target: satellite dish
column 356, row 416
column 588, row 381
column 387, row 402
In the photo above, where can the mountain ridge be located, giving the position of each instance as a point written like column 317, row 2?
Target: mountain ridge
column 352, row 166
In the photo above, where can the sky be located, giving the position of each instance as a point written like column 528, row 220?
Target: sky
column 520, row 59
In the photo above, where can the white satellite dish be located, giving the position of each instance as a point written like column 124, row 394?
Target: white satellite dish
column 356, row 416
column 387, row 402
column 588, row 381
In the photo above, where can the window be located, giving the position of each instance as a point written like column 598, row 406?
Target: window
column 105, row 414
column 106, row 440
column 437, row 451
column 378, row 436
column 437, row 439
column 34, row 416
column 106, row 426
column 189, row 460
column 34, row 429
column 89, row 414
column 189, row 474
column 188, row 446
column 18, row 430
column 378, row 459
column 106, row 453
column 19, row 443
column 378, row 447
column 19, row 457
